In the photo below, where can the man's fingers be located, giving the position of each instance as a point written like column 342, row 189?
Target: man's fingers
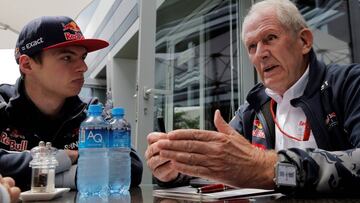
column 155, row 136
column 152, row 150
column 222, row 126
column 193, row 146
column 164, row 171
column 14, row 193
column 192, row 134
column 191, row 159
column 196, row 171
column 156, row 162
column 9, row 181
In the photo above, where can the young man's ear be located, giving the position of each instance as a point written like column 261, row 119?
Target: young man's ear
column 306, row 37
column 25, row 64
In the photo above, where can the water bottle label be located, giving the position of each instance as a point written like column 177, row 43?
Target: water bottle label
column 119, row 138
column 93, row 138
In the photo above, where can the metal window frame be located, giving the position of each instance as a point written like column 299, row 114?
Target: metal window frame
column 354, row 18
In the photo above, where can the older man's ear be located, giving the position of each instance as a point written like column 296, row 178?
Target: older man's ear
column 306, row 37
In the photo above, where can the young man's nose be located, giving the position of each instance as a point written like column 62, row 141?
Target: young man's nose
column 82, row 67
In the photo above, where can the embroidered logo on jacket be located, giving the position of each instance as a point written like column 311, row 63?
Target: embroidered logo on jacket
column 258, row 135
column 6, row 139
column 72, row 146
column 331, row 120
column 258, row 130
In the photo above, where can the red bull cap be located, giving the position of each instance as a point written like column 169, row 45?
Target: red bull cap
column 50, row 32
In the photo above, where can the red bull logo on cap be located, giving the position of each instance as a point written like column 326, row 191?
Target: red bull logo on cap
column 71, row 26
column 72, row 31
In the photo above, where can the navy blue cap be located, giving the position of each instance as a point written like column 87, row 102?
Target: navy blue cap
column 49, row 32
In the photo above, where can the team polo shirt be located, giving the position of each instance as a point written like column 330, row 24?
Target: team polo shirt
column 291, row 119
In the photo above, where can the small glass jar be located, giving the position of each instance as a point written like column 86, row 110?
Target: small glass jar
column 43, row 168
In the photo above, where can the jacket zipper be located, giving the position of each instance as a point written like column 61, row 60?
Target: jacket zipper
column 322, row 132
column 63, row 124
column 268, row 139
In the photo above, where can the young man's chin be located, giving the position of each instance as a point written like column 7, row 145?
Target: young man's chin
column 74, row 92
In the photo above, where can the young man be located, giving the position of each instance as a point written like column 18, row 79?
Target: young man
column 43, row 105
column 298, row 133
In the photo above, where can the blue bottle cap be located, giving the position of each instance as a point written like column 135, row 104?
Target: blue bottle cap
column 117, row 111
column 95, row 108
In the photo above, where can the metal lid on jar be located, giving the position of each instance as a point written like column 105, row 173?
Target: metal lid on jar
column 43, row 155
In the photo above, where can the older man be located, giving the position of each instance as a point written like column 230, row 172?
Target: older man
column 299, row 131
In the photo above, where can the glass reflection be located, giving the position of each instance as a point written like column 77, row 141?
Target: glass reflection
column 121, row 198
column 196, row 62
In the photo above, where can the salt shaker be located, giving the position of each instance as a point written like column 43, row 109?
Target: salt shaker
column 43, row 168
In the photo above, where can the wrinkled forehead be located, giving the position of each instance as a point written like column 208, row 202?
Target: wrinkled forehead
column 259, row 20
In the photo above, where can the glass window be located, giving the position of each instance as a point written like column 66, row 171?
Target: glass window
column 329, row 22
column 196, row 62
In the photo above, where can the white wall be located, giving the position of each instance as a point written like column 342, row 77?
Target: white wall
column 123, row 81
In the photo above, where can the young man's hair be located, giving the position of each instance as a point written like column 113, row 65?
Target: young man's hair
column 286, row 11
column 37, row 57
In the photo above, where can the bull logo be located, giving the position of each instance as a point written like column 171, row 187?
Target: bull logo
column 71, row 26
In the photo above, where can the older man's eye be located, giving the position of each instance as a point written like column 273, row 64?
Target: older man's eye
column 271, row 37
column 251, row 48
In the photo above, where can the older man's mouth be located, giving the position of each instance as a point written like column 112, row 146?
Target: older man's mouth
column 270, row 68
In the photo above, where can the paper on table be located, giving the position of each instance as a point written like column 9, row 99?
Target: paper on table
column 188, row 192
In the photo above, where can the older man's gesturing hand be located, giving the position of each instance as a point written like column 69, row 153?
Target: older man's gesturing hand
column 224, row 156
column 161, row 167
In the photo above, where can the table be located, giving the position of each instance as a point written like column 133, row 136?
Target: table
column 143, row 194
column 136, row 194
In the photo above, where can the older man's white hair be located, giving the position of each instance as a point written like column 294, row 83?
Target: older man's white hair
column 287, row 13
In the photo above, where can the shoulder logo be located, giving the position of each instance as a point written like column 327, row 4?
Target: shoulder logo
column 324, row 85
column 331, row 120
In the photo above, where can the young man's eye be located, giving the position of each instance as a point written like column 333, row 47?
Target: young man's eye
column 66, row 58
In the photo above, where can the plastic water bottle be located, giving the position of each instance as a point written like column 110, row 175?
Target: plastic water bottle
column 93, row 164
column 119, row 153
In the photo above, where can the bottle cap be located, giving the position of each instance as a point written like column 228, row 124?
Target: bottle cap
column 117, row 111
column 95, row 108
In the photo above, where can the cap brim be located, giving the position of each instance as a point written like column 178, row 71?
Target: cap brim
column 89, row 44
